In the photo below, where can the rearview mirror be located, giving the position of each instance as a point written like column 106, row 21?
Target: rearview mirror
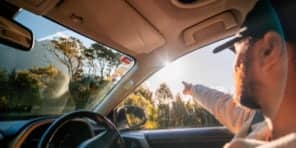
column 16, row 35
column 131, row 117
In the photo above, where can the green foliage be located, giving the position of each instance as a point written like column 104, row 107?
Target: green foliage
column 142, row 97
column 167, row 111
column 29, row 90
column 68, row 51
column 80, row 60
column 88, row 68
column 20, row 90
column 87, row 90
column 104, row 57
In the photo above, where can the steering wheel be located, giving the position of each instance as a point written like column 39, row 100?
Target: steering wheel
column 106, row 138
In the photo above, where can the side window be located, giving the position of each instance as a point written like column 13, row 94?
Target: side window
column 161, row 96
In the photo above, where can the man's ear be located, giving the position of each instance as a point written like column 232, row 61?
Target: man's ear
column 272, row 50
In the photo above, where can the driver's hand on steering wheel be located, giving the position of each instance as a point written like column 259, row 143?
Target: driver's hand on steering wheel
column 187, row 88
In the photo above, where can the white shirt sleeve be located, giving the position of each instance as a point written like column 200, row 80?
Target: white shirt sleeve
column 223, row 107
column 288, row 141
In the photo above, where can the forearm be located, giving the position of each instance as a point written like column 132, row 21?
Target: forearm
column 223, row 107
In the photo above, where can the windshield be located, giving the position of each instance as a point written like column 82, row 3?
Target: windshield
column 65, row 71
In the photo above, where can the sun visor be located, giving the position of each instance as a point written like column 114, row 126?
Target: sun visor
column 128, row 29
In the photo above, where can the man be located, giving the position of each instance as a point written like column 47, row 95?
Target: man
column 237, row 118
column 265, row 72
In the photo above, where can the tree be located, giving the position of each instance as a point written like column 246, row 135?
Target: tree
column 78, row 59
column 88, row 67
column 102, row 58
column 69, row 51
column 145, row 92
column 164, row 94
column 141, row 98
column 4, row 102
column 164, row 97
column 167, row 111
column 87, row 89
column 25, row 89
column 179, row 112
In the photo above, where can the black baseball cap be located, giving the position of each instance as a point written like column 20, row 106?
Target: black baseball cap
column 261, row 19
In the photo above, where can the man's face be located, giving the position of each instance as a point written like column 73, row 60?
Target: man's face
column 245, row 81
column 260, row 73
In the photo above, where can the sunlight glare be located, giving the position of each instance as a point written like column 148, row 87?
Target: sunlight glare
column 170, row 72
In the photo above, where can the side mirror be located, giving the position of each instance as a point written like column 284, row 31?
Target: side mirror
column 16, row 35
column 131, row 117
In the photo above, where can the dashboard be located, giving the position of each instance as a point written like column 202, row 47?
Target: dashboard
column 27, row 133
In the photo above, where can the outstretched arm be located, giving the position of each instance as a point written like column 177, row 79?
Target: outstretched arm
column 221, row 105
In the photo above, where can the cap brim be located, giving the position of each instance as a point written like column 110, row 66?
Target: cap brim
column 260, row 20
column 227, row 45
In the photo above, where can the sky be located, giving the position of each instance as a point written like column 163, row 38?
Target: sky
column 199, row 67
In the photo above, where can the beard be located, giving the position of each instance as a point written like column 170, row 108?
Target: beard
column 249, row 101
column 245, row 87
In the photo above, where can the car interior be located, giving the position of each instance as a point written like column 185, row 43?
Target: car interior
column 146, row 31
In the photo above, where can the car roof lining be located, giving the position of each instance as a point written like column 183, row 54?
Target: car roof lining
column 138, row 27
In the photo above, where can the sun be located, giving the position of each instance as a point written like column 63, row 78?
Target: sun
column 171, row 72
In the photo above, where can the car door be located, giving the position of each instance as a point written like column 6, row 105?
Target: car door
column 210, row 137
